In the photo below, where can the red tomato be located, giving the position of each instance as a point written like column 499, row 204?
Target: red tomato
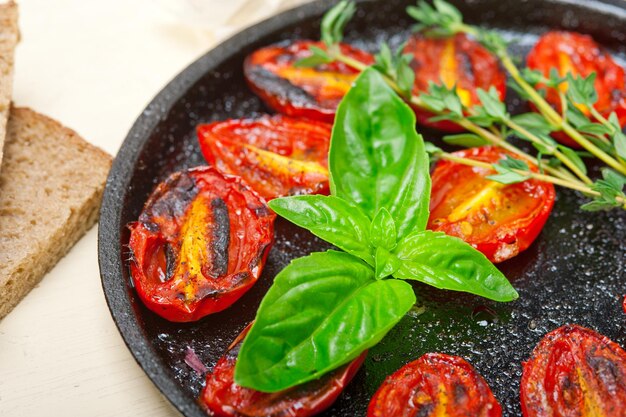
column 276, row 156
column 456, row 60
column 499, row 220
column 200, row 243
column 296, row 91
column 575, row 372
column 435, row 385
column 222, row 397
column 571, row 52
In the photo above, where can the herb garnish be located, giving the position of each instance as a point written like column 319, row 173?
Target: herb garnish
column 490, row 122
column 325, row 309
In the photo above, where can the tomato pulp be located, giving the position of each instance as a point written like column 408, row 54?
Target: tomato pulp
column 297, row 91
column 580, row 55
column 497, row 219
column 276, row 156
column 200, row 243
column 224, row 398
column 454, row 61
column 435, row 385
column 575, row 371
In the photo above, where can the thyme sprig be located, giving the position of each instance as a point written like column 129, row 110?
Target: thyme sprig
column 443, row 18
column 490, row 122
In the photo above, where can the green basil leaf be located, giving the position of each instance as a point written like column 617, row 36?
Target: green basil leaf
column 449, row 263
column 386, row 263
column 330, row 218
column 376, row 158
column 383, row 230
column 322, row 311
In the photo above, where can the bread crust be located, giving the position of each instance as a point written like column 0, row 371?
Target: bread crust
column 9, row 36
column 51, row 184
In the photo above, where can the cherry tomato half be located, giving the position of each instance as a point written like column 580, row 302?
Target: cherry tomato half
column 457, row 60
column 276, row 156
column 224, row 398
column 435, row 385
column 297, row 91
column 580, row 55
column 575, row 372
column 200, row 243
column 499, row 220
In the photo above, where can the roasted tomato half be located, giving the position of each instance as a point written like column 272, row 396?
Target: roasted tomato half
column 276, row 156
column 435, row 385
column 499, row 220
column 575, row 372
column 457, row 60
column 580, row 55
column 222, row 397
column 200, row 243
column 297, row 91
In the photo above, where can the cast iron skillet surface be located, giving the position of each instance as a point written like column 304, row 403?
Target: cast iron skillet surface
column 573, row 273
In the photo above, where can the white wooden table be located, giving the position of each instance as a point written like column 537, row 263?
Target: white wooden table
column 94, row 65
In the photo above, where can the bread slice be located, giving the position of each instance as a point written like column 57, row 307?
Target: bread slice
column 51, row 184
column 9, row 36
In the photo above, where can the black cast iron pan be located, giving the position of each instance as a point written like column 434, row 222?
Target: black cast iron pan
column 574, row 272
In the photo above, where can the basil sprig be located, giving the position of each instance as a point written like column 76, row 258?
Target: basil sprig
column 325, row 309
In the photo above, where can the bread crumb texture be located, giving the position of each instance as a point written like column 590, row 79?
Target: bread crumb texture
column 9, row 36
column 51, row 184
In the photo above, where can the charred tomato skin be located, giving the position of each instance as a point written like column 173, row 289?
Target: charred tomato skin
column 434, row 385
column 275, row 155
column 312, row 93
column 456, row 60
column 574, row 372
column 498, row 220
column 222, row 397
column 200, row 243
column 581, row 55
